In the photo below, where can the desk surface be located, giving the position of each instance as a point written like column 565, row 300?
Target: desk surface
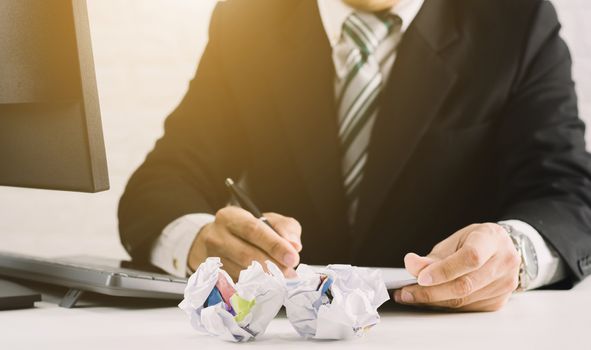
column 533, row 320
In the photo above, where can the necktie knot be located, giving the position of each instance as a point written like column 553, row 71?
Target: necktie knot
column 368, row 30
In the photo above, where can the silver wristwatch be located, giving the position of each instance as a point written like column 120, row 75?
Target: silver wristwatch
column 528, row 270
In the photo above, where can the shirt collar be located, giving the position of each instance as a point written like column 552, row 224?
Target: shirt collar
column 334, row 13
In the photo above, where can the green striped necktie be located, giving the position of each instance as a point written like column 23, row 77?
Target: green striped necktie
column 358, row 91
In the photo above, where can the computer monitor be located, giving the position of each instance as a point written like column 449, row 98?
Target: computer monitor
column 50, row 126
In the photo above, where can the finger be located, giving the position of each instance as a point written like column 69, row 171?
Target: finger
column 497, row 289
column 500, row 287
column 486, row 305
column 415, row 263
column 242, row 254
column 254, row 231
column 489, row 305
column 498, row 276
column 288, row 228
column 234, row 270
column 248, row 254
column 240, row 251
column 478, row 248
column 460, row 288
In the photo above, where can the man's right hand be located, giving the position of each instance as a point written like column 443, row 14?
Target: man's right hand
column 238, row 238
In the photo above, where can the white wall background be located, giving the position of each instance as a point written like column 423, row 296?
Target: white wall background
column 145, row 53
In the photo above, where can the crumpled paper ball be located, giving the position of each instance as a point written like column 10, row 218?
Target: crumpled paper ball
column 336, row 302
column 233, row 312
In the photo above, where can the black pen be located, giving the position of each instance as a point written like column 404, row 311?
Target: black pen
column 245, row 202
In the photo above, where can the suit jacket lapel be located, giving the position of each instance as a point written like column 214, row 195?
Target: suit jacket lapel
column 301, row 77
column 417, row 86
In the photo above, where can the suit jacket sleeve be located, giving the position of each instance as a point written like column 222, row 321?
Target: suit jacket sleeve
column 184, row 172
column 545, row 170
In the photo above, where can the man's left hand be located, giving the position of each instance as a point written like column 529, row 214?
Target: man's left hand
column 475, row 269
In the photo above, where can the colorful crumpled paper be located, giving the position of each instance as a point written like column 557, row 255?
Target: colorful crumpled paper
column 336, row 302
column 233, row 312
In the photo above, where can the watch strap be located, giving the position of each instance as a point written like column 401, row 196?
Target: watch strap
column 517, row 242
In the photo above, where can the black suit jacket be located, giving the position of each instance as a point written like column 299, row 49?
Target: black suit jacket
column 478, row 122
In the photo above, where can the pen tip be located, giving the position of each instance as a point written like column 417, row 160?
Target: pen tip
column 229, row 182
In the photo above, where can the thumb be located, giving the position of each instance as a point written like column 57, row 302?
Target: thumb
column 415, row 263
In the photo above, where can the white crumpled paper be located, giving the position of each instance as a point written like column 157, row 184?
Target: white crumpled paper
column 257, row 298
column 335, row 302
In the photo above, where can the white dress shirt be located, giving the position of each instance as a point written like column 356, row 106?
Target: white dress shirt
column 171, row 249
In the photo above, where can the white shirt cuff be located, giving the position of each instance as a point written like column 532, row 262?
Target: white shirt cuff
column 551, row 268
column 171, row 250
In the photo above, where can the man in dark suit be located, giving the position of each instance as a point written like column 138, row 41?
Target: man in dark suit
column 448, row 128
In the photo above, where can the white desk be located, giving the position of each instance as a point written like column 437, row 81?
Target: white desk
column 534, row 320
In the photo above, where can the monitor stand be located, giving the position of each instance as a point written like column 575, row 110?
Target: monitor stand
column 14, row 296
